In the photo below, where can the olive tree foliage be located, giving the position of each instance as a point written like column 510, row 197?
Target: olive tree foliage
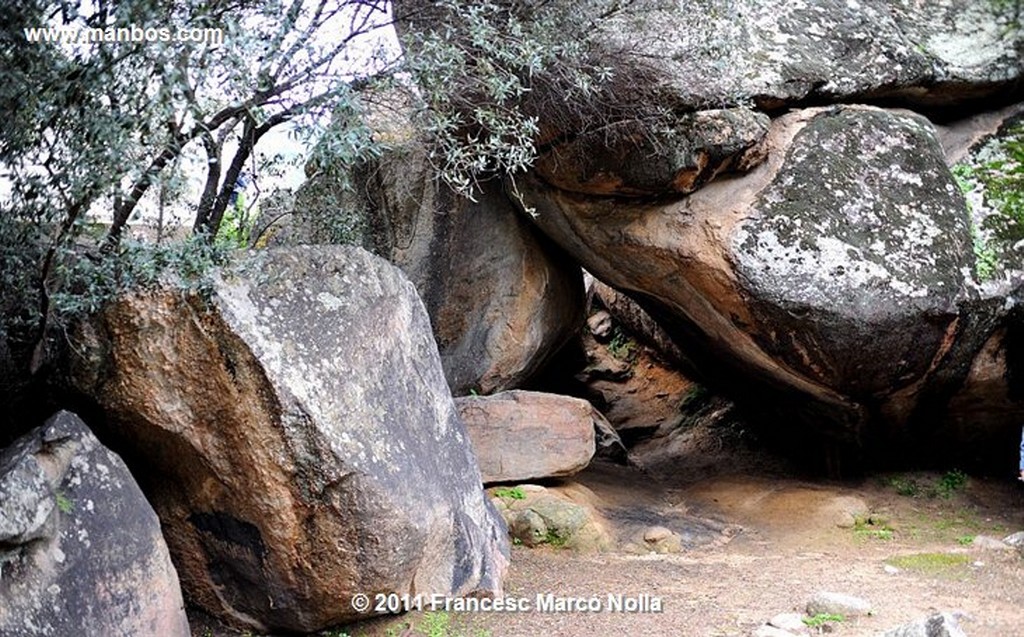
column 95, row 127
column 482, row 90
column 103, row 126
column 502, row 80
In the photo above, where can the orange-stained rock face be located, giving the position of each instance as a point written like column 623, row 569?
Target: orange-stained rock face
column 501, row 299
column 827, row 282
column 526, row 435
column 298, row 439
column 636, row 159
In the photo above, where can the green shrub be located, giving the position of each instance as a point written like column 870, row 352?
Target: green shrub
column 621, row 346
column 511, row 493
column 905, row 486
column 950, row 483
column 944, row 487
column 822, row 619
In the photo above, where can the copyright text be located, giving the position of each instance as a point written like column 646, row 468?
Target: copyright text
column 393, row 603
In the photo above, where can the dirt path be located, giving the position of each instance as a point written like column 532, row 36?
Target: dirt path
column 791, row 547
column 798, row 538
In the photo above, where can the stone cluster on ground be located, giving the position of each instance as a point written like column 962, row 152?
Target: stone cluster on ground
column 560, row 517
column 654, row 539
column 937, row 625
column 827, row 611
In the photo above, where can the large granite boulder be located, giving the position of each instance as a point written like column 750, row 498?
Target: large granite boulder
column 297, row 438
column 828, row 278
column 673, row 111
column 502, row 299
column 80, row 547
column 701, row 54
column 923, row 52
column 526, row 435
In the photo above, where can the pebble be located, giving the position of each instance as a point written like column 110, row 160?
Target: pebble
column 656, row 534
column 826, row 603
column 772, row 631
column 793, row 622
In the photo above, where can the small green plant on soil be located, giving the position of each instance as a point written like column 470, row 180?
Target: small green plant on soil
column 435, row 624
column 555, row 539
column 510, row 493
column 950, row 483
column 939, row 564
column 965, row 540
column 944, row 487
column 439, row 624
column 621, row 346
column 950, row 523
column 908, row 487
column 821, row 619
column 872, row 527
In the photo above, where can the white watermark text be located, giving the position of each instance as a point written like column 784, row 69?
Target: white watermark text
column 74, row 35
column 393, row 603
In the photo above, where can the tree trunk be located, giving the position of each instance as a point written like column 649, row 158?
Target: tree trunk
column 250, row 135
column 213, row 150
column 123, row 211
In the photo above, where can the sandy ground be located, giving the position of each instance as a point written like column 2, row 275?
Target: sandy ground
column 791, row 547
column 792, row 538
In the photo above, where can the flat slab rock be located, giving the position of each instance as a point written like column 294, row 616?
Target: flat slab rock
column 524, row 435
column 80, row 547
column 828, row 603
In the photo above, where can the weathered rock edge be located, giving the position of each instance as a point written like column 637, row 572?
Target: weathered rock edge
column 298, row 439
